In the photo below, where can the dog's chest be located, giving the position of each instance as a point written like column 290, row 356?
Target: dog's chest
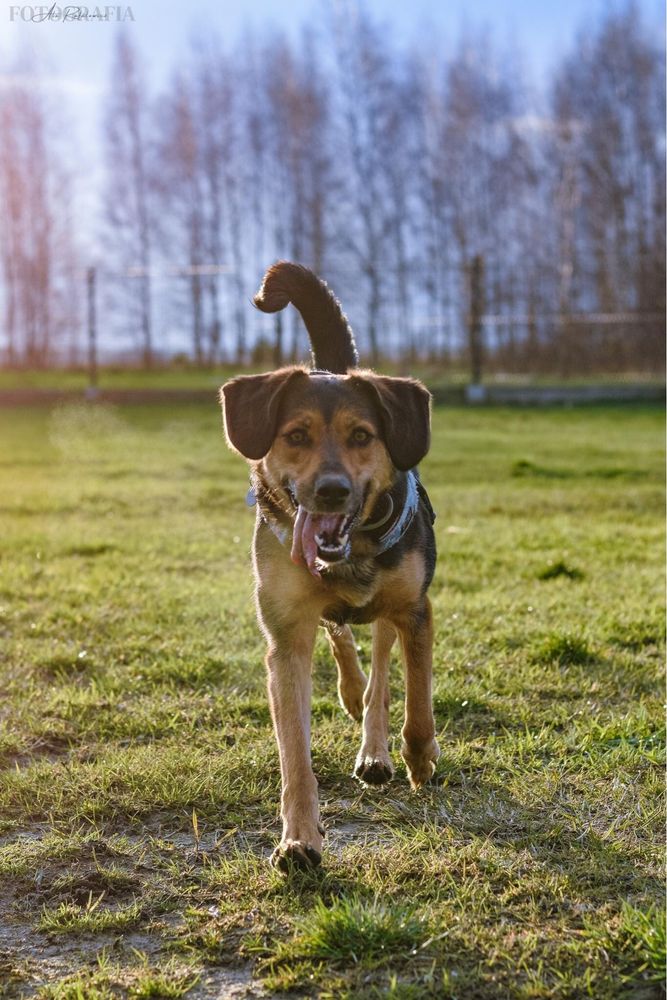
column 346, row 614
column 352, row 592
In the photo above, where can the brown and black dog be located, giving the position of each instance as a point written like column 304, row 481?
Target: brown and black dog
column 343, row 534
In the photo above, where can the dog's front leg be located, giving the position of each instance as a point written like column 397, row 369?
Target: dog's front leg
column 289, row 681
column 373, row 765
column 419, row 749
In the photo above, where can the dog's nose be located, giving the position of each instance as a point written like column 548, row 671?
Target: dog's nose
column 332, row 489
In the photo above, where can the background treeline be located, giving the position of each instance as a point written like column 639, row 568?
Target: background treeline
column 460, row 213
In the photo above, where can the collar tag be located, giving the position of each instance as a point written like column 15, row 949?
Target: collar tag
column 251, row 497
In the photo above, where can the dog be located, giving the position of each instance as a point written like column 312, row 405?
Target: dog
column 343, row 535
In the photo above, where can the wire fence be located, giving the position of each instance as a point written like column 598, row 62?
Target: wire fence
column 483, row 328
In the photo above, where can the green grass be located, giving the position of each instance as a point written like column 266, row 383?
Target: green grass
column 366, row 933
column 88, row 919
column 184, row 376
column 104, row 980
column 139, row 780
column 173, row 377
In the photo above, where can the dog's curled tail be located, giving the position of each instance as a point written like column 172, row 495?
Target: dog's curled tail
column 331, row 338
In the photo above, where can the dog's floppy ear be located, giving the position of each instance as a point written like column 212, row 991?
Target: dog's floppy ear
column 250, row 410
column 404, row 407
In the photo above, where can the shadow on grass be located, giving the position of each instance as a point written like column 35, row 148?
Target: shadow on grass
column 594, row 866
column 593, row 875
column 524, row 468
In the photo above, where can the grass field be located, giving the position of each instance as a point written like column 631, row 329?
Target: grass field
column 191, row 378
column 139, row 784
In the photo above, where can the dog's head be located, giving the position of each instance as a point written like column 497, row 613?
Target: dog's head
column 334, row 442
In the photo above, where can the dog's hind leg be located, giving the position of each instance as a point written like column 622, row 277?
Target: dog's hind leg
column 351, row 678
column 373, row 765
column 289, row 677
column 419, row 749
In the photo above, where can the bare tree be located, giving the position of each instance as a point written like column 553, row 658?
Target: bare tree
column 226, row 119
column 412, row 178
column 484, row 160
column 127, row 196
column 298, row 151
column 179, row 189
column 36, row 233
column 211, row 156
column 369, row 139
column 608, row 103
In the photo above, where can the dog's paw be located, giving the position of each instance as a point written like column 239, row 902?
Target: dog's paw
column 291, row 855
column 373, row 770
column 420, row 762
column 351, row 697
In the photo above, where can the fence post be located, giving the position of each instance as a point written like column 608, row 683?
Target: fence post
column 91, row 391
column 475, row 313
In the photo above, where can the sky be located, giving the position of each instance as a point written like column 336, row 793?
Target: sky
column 80, row 52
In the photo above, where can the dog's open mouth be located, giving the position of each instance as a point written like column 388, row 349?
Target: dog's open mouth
column 320, row 539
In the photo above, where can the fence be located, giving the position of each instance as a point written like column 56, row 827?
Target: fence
column 478, row 329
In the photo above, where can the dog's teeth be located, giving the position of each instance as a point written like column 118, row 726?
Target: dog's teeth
column 328, row 546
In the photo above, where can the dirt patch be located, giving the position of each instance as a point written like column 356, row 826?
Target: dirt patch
column 29, row 959
column 117, row 872
column 227, row 984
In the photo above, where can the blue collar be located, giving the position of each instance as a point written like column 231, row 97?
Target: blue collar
column 392, row 535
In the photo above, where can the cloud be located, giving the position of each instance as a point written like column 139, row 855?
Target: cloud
column 49, row 83
column 534, row 123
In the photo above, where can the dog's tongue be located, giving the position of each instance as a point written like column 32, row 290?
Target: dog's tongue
column 306, row 527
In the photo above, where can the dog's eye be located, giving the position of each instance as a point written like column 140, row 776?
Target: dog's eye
column 297, row 437
column 361, row 436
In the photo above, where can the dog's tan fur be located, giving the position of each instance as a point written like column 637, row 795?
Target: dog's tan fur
column 292, row 603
